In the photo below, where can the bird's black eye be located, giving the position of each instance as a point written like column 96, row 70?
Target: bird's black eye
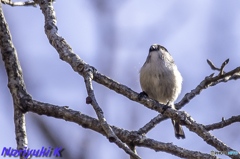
column 163, row 48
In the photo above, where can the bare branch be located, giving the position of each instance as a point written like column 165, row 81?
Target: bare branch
column 213, row 67
column 208, row 81
column 152, row 123
column 133, row 148
column 222, row 67
column 27, row 3
column 235, row 74
column 88, row 82
column 124, row 135
column 223, row 123
column 79, row 66
column 108, row 130
column 15, row 82
column 210, row 139
column 159, row 118
column 173, row 149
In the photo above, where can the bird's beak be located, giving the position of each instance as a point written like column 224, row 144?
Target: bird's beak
column 153, row 48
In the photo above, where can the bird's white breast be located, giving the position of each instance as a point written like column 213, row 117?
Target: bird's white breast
column 160, row 79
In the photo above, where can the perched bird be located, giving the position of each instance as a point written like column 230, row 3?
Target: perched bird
column 161, row 80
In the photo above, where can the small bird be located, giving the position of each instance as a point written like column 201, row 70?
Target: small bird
column 161, row 80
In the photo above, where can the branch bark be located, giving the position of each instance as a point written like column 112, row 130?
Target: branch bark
column 223, row 123
column 78, row 65
column 108, row 130
column 208, row 81
column 15, row 82
column 27, row 3
column 126, row 136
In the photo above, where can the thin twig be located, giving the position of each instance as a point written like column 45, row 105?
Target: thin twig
column 223, row 123
column 27, row 3
column 222, row 67
column 213, row 67
column 108, row 130
column 152, row 123
column 210, row 81
column 133, row 148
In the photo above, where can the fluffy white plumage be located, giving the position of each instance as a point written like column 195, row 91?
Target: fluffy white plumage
column 161, row 80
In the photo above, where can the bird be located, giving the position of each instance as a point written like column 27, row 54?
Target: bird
column 161, row 80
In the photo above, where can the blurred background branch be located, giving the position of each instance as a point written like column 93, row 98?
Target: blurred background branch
column 27, row 3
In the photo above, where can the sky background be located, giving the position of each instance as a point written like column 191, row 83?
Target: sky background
column 115, row 37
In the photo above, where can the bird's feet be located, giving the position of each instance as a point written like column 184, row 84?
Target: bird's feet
column 142, row 94
column 165, row 107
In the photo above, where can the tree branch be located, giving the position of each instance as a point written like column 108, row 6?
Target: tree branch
column 124, row 135
column 78, row 65
column 108, row 130
column 213, row 67
column 173, row 149
column 133, row 148
column 208, row 81
column 223, row 123
column 27, row 3
column 15, row 82
column 152, row 123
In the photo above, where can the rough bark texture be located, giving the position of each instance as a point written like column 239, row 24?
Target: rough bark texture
column 15, row 82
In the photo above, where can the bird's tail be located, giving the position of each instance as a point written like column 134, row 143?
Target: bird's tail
column 179, row 133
